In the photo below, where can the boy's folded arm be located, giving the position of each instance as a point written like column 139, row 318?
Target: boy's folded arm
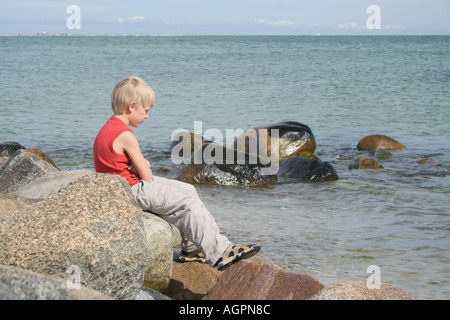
column 141, row 165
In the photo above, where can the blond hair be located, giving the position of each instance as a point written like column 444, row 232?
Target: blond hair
column 131, row 89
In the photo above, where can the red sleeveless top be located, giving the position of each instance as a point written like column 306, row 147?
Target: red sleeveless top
column 106, row 160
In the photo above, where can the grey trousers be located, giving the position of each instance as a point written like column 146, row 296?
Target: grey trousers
column 178, row 203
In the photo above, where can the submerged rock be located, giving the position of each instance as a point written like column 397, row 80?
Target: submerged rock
column 376, row 141
column 365, row 162
column 298, row 169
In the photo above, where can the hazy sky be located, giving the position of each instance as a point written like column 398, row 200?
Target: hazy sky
column 225, row 17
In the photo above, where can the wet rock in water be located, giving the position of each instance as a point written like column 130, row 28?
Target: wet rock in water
column 226, row 175
column 365, row 162
column 376, row 141
column 93, row 224
column 217, row 165
column 293, row 138
column 7, row 149
column 426, row 161
column 22, row 168
column 298, row 169
column 186, row 141
column 381, row 154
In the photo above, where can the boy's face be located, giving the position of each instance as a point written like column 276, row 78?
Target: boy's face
column 138, row 115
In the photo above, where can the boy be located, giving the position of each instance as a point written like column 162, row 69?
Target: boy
column 117, row 151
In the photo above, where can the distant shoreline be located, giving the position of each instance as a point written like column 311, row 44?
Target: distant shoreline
column 44, row 34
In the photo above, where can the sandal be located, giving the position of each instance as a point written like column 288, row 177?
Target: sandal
column 194, row 256
column 234, row 253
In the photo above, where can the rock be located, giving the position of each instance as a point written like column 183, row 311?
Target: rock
column 49, row 184
column 22, row 168
column 305, row 170
column 426, row 161
column 347, row 290
column 247, row 280
column 93, row 224
column 7, row 149
column 364, row 162
column 3, row 160
column 381, row 154
column 184, row 141
column 149, row 294
column 10, row 203
column 41, row 155
column 159, row 238
column 191, row 280
column 225, row 175
column 217, row 165
column 293, row 138
column 375, row 141
column 20, row 284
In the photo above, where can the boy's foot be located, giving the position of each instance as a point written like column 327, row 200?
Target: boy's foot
column 234, row 253
column 194, row 256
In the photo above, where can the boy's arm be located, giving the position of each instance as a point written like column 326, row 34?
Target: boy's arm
column 127, row 142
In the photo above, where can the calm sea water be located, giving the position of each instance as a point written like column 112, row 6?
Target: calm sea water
column 55, row 91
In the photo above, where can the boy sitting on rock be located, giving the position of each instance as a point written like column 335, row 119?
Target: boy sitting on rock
column 117, row 151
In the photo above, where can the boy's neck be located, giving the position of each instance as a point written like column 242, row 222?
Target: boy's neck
column 124, row 118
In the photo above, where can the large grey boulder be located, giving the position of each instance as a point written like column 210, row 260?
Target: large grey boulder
column 22, row 168
column 20, row 284
column 94, row 224
column 49, row 184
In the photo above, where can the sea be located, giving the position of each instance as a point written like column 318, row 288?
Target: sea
column 389, row 226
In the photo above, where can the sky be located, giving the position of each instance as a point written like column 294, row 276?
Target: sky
column 230, row 17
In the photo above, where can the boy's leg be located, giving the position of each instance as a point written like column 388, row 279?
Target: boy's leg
column 178, row 203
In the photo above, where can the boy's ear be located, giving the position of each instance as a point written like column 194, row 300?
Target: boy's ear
column 131, row 106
